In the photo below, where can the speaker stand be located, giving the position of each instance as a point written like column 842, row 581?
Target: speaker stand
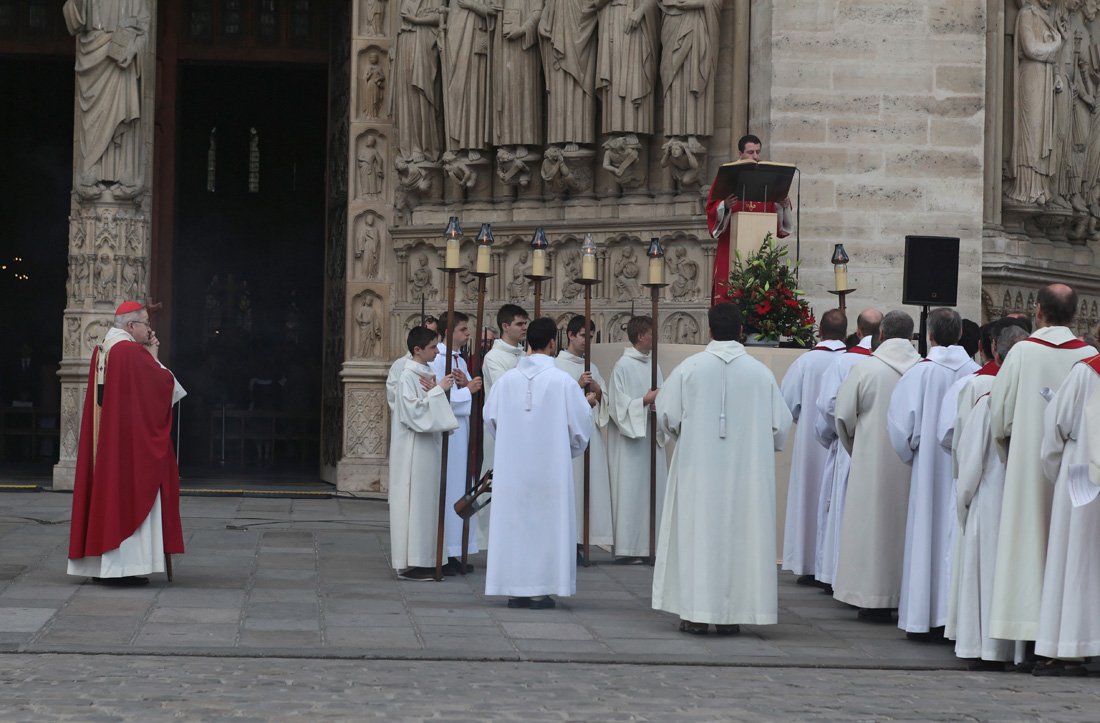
column 922, row 338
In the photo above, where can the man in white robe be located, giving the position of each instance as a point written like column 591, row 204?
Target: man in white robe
column 868, row 573
column 393, row 379
column 800, row 388
column 505, row 353
column 541, row 421
column 1018, row 399
column 716, row 548
column 1069, row 614
column 571, row 361
column 420, row 418
column 835, row 474
column 459, row 444
column 628, row 443
column 978, row 489
column 913, row 420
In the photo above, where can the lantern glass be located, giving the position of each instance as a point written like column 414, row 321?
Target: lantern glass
column 539, row 240
column 655, row 249
column 485, row 235
column 454, row 229
column 840, row 256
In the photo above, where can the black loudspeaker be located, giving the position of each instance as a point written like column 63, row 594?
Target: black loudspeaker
column 931, row 271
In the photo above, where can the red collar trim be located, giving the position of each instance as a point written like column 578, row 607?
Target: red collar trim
column 857, row 349
column 1071, row 344
column 819, row 347
column 1093, row 362
column 989, row 370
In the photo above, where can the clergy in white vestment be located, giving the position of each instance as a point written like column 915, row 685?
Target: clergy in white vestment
column 978, row 491
column 835, row 475
column 1019, row 397
column 502, row 356
column 541, row 421
column 462, row 395
column 716, row 547
column 800, row 388
column 872, row 545
column 393, row 379
column 420, row 418
column 571, row 361
column 1069, row 614
column 913, row 421
column 631, row 398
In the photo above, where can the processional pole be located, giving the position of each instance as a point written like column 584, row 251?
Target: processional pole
column 656, row 282
column 538, row 274
column 588, row 279
column 451, row 266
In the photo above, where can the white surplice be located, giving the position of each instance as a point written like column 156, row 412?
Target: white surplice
column 419, row 420
column 872, row 545
column 716, row 548
column 805, row 511
column 600, row 530
column 541, row 421
column 393, row 379
column 1016, row 408
column 458, row 447
column 834, row 481
column 498, row 360
column 913, row 420
column 1069, row 617
column 628, row 453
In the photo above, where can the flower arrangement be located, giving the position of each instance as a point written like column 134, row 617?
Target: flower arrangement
column 765, row 289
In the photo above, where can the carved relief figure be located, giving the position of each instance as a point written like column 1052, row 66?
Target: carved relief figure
column 681, row 157
column 416, row 102
column 685, row 276
column 1062, row 155
column 466, row 74
column 626, row 275
column 620, row 158
column 372, row 85
column 83, row 271
column 517, row 287
column 689, row 64
column 567, row 34
column 517, row 74
column 1037, row 42
column 423, row 287
column 412, row 183
column 130, row 278
column 459, row 168
column 571, row 269
column 72, row 336
column 1084, row 105
column 626, row 64
column 368, row 247
column 370, row 167
column 369, row 322
column 512, row 167
column 468, row 278
column 111, row 36
column 105, row 278
column 557, row 174
column 372, row 17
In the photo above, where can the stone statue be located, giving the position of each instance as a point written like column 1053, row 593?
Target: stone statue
column 685, row 276
column 105, row 278
column 370, row 328
column 567, row 34
column 689, row 64
column 571, row 269
column 517, row 75
column 1037, row 43
column 682, row 158
column 626, row 64
column 626, row 275
column 416, row 103
column 111, row 35
column 368, row 247
column 518, row 286
column 512, row 167
column 459, row 168
column 72, row 336
column 412, row 183
column 468, row 278
column 1084, row 105
column 372, row 86
column 372, row 18
column 371, row 167
column 1062, row 155
column 130, row 288
column 83, row 271
column 466, row 74
column 557, row 174
column 620, row 159
column 423, row 287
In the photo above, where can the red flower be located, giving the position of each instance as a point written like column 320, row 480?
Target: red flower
column 738, row 292
column 763, row 308
column 791, row 303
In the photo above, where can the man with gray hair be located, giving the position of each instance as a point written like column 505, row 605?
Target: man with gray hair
column 868, row 573
column 929, row 531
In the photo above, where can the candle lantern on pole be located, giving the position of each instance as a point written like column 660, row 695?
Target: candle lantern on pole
column 655, row 282
column 451, row 266
column 840, row 274
column 539, row 244
column 588, row 279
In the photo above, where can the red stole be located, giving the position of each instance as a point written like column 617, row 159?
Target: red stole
column 1093, row 362
column 857, row 349
column 989, row 370
column 1071, row 344
column 719, row 290
column 135, row 459
column 819, row 347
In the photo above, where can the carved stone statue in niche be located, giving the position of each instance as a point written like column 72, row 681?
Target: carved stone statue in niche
column 372, row 85
column 561, row 175
column 1030, row 164
column 105, row 278
column 422, row 285
column 685, row 276
column 72, row 336
column 626, row 66
column 571, row 269
column 368, row 247
column 371, row 167
column 81, row 288
column 130, row 278
column 513, row 165
column 412, row 183
column 518, row 287
column 111, row 37
column 689, row 65
column 369, row 323
column 681, row 328
column 466, row 74
column 372, row 18
column 416, row 102
column 626, row 275
column 620, row 159
column 1062, row 154
column 468, row 279
column 460, row 168
column 517, row 75
column 683, row 157
column 567, row 35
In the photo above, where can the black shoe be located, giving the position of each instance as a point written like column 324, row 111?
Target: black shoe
column 686, row 626
column 129, row 581
column 921, row 637
column 807, row 580
column 727, row 629
column 1060, row 668
column 875, row 615
column 631, row 560
column 519, row 602
column 542, row 603
column 827, row 589
column 455, row 564
column 987, row 666
column 417, row 574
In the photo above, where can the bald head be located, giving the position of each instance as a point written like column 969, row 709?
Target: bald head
column 868, row 322
column 1056, row 305
column 834, row 325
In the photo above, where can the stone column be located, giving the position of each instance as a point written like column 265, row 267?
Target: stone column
column 110, row 208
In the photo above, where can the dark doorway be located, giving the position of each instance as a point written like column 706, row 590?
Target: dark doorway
column 248, row 266
column 35, row 181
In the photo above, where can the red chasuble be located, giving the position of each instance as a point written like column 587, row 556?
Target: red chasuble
column 720, row 283
column 135, row 458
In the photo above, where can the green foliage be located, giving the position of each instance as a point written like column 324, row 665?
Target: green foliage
column 765, row 289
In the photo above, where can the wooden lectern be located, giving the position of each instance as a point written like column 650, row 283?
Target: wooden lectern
column 759, row 185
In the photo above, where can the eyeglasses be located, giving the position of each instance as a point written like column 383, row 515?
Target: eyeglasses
column 141, row 322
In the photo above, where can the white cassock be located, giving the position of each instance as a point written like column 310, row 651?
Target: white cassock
column 393, row 379
column 419, row 420
column 872, row 545
column 834, row 482
column 498, row 360
column 1016, row 408
column 457, row 459
column 1069, row 617
column 628, row 453
column 600, row 530
column 805, row 512
column 914, row 419
column 716, row 548
column 541, row 421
